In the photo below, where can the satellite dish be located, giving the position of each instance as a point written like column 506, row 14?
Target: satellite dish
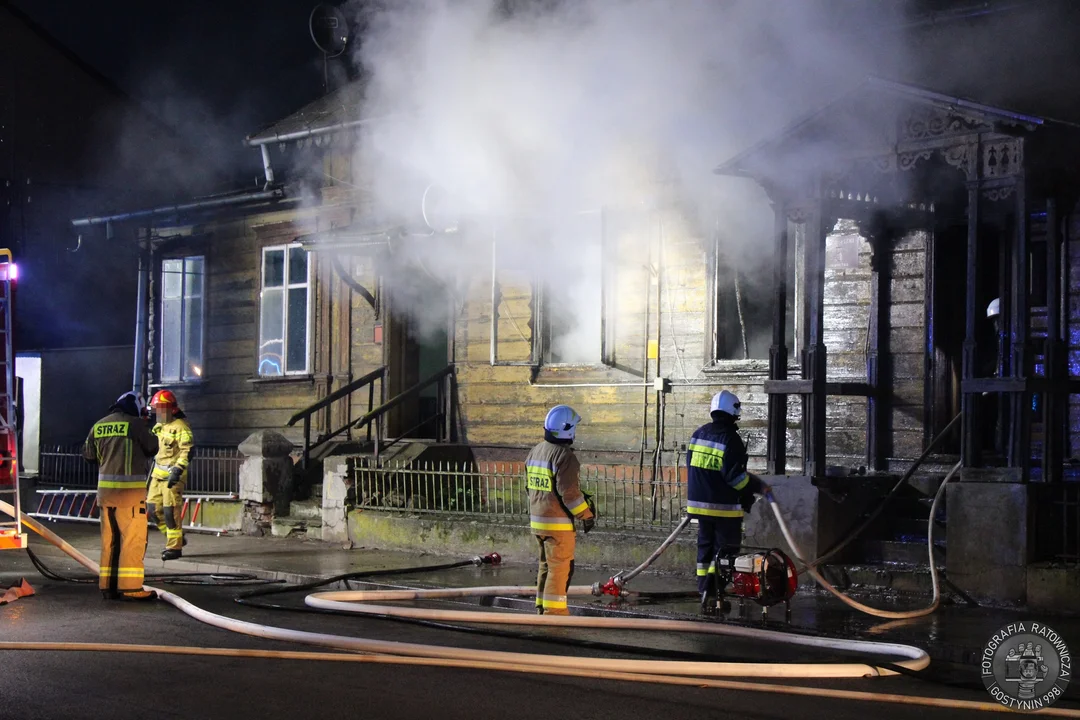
column 329, row 29
column 436, row 206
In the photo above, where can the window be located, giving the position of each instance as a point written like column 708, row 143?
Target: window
column 743, row 303
column 572, row 296
column 283, row 311
column 181, row 319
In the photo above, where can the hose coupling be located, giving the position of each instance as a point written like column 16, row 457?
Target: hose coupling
column 492, row 558
column 612, row 587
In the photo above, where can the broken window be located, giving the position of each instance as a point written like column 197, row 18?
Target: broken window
column 571, row 294
column 181, row 319
column 743, row 296
column 284, row 335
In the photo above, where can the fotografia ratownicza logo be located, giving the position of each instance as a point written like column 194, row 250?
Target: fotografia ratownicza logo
column 1026, row 666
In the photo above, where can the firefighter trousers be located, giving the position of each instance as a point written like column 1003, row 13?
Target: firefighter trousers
column 556, row 570
column 123, row 545
column 713, row 535
column 166, row 506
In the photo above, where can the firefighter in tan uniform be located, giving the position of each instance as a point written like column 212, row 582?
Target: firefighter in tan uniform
column 555, row 500
column 121, row 444
column 170, row 472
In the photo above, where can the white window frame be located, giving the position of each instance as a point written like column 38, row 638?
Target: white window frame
column 164, row 375
column 285, row 287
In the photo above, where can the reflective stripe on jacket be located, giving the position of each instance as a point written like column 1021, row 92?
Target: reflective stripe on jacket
column 176, row 441
column 555, row 497
column 121, row 445
column 716, row 472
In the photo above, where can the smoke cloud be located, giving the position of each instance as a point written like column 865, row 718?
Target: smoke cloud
column 546, row 109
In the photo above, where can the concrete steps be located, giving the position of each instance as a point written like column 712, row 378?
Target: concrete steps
column 304, row 518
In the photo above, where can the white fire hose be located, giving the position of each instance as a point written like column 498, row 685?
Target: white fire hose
column 697, row 674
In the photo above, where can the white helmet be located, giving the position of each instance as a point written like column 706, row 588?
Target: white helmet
column 994, row 308
column 561, row 421
column 728, row 402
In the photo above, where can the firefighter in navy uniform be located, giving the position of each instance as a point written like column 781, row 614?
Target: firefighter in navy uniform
column 121, row 444
column 555, row 501
column 719, row 489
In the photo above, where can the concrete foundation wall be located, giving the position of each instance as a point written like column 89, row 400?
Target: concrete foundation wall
column 620, row 551
column 223, row 514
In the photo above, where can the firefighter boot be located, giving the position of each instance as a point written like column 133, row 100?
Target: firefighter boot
column 169, row 554
column 708, row 604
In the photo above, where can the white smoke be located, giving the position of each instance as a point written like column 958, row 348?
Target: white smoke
column 552, row 108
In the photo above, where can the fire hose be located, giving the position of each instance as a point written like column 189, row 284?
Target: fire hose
column 658, row 672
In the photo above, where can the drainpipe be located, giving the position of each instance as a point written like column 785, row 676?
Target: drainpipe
column 141, row 316
column 268, row 170
column 309, row 132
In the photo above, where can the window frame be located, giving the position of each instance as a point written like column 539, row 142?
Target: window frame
column 285, row 287
column 180, row 379
column 716, row 363
column 542, row 320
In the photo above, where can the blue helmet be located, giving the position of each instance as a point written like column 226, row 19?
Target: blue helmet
column 561, row 421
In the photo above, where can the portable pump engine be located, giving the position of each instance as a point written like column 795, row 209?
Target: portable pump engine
column 766, row 576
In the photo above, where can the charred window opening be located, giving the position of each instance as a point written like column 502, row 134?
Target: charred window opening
column 572, row 294
column 742, row 302
column 182, row 319
column 284, row 332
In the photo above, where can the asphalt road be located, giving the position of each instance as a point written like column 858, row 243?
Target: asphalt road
column 118, row 685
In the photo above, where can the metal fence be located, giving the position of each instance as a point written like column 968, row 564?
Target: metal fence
column 497, row 491
column 212, row 469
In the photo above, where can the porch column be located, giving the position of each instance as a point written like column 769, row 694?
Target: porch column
column 814, row 362
column 877, row 402
column 776, row 449
column 1054, row 400
column 969, row 448
column 1019, row 453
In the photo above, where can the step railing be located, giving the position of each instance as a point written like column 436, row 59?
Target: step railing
column 446, row 390
column 367, row 381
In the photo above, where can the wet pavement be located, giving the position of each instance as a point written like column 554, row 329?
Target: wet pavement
column 954, row 636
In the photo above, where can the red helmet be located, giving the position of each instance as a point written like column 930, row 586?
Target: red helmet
column 164, row 399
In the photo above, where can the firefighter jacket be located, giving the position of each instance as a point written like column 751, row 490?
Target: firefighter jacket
column 555, row 496
column 716, row 472
column 121, row 445
column 176, row 441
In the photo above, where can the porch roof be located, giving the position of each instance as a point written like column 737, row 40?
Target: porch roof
column 864, row 122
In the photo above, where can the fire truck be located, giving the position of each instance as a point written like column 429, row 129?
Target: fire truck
column 11, row 530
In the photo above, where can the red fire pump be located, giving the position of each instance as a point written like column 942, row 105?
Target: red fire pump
column 766, row 576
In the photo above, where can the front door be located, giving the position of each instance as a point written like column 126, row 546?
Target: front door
column 416, row 347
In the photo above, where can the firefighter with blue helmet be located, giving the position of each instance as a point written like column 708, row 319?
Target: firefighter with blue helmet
column 718, row 489
column 555, row 501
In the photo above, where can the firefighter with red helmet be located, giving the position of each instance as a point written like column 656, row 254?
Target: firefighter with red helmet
column 555, row 501
column 121, row 445
column 170, row 471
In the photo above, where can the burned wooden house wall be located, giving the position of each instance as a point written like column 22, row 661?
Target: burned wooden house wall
column 650, row 317
column 847, row 323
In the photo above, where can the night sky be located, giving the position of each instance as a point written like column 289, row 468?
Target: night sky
column 198, row 64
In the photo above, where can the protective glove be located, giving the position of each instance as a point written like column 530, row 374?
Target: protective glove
column 587, row 525
column 747, row 501
column 174, row 475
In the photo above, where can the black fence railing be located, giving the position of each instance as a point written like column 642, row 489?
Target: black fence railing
column 212, row 470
